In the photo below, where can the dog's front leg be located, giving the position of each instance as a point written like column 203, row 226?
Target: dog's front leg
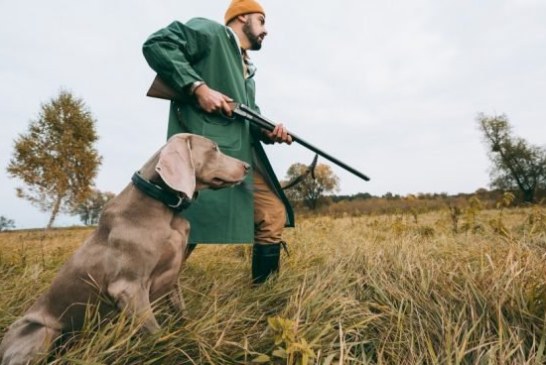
column 134, row 299
column 177, row 300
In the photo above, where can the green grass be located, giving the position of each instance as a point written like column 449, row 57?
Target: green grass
column 354, row 290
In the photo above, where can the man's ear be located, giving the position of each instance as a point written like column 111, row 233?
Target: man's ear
column 175, row 164
column 242, row 18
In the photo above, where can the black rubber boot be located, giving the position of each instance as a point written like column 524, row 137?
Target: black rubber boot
column 265, row 261
column 189, row 249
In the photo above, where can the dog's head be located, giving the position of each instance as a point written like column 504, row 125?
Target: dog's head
column 188, row 163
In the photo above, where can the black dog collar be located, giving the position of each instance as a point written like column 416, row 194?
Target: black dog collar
column 174, row 201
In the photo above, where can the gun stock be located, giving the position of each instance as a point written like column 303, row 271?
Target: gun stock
column 159, row 89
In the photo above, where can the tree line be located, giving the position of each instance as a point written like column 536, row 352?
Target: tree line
column 57, row 161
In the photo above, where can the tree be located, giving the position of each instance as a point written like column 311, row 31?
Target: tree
column 6, row 224
column 90, row 209
column 56, row 159
column 309, row 190
column 517, row 165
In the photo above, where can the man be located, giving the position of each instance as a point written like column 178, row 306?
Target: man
column 208, row 65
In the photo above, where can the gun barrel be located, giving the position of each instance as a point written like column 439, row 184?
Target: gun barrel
column 160, row 89
column 258, row 119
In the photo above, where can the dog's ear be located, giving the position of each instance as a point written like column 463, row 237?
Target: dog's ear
column 175, row 165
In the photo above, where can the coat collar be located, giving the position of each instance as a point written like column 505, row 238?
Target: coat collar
column 251, row 68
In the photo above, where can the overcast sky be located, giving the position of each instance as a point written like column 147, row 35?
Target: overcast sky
column 390, row 87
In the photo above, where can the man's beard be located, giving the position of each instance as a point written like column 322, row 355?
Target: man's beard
column 255, row 41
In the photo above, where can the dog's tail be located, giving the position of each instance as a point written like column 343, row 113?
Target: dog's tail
column 25, row 341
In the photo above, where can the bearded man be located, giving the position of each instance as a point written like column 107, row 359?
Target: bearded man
column 208, row 65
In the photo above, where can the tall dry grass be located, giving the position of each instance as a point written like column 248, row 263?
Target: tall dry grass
column 391, row 289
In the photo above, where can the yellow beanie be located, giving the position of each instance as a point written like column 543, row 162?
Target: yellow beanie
column 240, row 7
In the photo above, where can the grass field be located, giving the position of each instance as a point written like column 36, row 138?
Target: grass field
column 434, row 288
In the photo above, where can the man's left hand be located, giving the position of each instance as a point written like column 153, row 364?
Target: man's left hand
column 279, row 134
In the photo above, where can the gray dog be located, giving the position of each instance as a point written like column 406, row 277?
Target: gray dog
column 135, row 254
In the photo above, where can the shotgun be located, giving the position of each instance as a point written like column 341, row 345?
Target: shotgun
column 161, row 90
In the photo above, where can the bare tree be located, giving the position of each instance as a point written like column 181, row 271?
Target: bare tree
column 90, row 209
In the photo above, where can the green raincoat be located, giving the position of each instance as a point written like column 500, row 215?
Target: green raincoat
column 203, row 50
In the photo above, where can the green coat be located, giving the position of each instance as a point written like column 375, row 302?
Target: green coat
column 203, row 50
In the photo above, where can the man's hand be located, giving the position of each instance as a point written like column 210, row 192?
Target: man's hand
column 279, row 134
column 212, row 101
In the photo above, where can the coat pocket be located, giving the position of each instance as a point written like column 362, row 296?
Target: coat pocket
column 224, row 131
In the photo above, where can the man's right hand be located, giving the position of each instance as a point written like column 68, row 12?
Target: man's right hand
column 212, row 101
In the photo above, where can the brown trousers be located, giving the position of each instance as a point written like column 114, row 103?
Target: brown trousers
column 269, row 213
